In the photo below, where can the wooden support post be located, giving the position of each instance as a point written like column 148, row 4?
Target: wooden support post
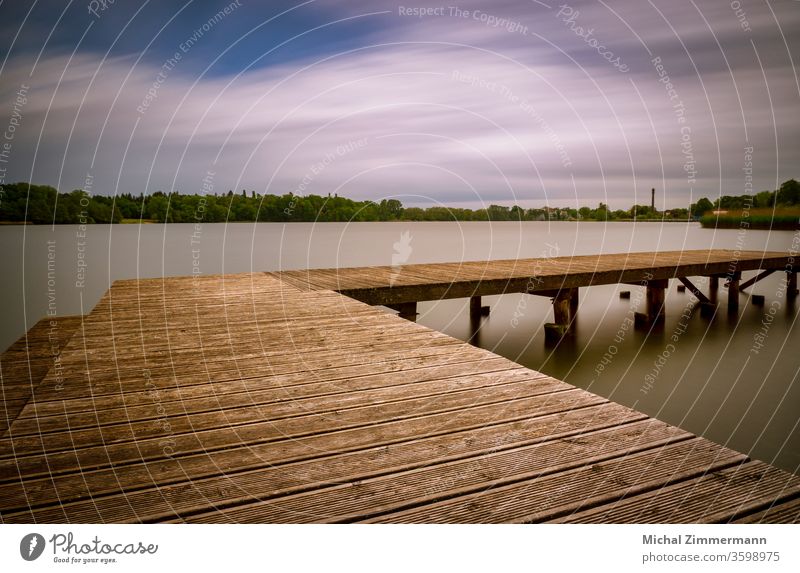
column 573, row 304
column 475, row 308
column 407, row 310
column 791, row 284
column 713, row 289
column 564, row 304
column 656, row 310
column 562, row 309
column 733, row 290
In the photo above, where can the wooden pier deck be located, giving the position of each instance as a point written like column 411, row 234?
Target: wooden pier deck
column 389, row 285
column 243, row 398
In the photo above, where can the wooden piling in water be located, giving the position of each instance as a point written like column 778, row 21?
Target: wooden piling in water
column 791, row 284
column 733, row 290
column 407, row 310
column 713, row 288
column 656, row 290
column 475, row 308
column 565, row 305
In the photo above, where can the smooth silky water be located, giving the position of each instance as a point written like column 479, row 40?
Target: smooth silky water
column 706, row 375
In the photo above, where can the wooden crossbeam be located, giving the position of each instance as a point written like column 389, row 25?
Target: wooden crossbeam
column 750, row 282
column 695, row 291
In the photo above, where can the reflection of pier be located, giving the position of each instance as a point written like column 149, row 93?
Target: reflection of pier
column 243, row 398
column 401, row 288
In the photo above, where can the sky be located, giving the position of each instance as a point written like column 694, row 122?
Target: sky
column 465, row 104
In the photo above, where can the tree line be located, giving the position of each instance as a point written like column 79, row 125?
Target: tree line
column 42, row 204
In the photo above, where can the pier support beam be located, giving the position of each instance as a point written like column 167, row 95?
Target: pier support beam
column 565, row 306
column 476, row 311
column 713, row 288
column 791, row 284
column 407, row 310
column 573, row 303
column 733, row 290
column 656, row 309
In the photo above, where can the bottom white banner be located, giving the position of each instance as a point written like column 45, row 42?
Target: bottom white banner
column 354, row 548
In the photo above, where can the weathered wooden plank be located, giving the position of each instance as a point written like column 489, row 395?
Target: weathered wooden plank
column 420, row 366
column 511, row 417
column 41, row 462
column 352, row 501
column 280, row 401
column 716, row 496
column 548, row 497
column 780, row 512
column 262, row 474
column 26, row 362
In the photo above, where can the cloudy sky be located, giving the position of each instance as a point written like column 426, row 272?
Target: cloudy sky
column 509, row 101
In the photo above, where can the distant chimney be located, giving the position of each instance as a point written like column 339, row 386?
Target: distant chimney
column 653, row 198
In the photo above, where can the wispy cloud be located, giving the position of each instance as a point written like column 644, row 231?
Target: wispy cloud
column 454, row 109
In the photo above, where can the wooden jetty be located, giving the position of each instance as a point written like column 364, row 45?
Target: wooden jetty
column 279, row 397
column 559, row 278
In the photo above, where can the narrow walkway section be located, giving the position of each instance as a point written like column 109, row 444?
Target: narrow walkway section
column 410, row 283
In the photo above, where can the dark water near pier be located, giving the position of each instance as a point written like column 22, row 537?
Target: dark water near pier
column 710, row 379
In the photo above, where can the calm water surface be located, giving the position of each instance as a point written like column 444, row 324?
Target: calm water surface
column 710, row 381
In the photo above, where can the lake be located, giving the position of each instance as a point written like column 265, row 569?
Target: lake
column 709, row 380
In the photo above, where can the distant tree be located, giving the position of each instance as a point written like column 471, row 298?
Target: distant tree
column 499, row 213
column 701, row 207
column 764, row 199
column 43, row 204
column 601, row 213
column 390, row 209
column 789, row 193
